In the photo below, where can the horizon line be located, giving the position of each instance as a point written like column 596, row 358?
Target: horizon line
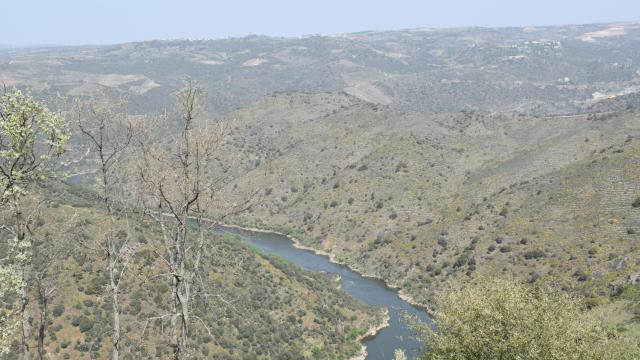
column 8, row 46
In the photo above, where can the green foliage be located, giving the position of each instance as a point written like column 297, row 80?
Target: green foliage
column 399, row 355
column 58, row 310
column 9, row 285
column 85, row 324
column 534, row 254
column 29, row 136
column 502, row 319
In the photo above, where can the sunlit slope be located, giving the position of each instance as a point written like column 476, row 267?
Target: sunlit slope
column 419, row 198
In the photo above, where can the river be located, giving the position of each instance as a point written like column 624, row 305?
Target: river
column 371, row 291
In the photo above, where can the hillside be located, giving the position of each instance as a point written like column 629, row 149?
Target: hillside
column 261, row 307
column 420, row 199
column 422, row 157
column 540, row 70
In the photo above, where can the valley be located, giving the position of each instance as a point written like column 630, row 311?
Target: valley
column 402, row 164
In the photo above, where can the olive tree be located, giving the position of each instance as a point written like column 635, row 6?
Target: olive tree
column 30, row 137
column 503, row 319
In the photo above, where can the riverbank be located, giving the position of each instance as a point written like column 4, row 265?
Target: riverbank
column 298, row 244
column 362, row 355
column 389, row 316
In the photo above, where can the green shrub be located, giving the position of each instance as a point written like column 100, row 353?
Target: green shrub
column 636, row 203
column 502, row 319
column 75, row 321
column 86, row 324
column 58, row 310
column 534, row 254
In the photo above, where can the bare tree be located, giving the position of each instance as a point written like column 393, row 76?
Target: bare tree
column 181, row 190
column 109, row 133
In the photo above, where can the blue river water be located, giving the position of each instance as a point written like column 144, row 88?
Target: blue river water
column 397, row 335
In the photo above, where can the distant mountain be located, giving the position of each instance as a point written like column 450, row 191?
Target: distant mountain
column 542, row 70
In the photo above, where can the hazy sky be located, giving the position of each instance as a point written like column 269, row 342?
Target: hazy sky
column 31, row 22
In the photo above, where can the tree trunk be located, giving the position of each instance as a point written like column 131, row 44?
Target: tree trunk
column 174, row 318
column 21, row 251
column 184, row 318
column 24, row 321
column 115, row 353
column 44, row 302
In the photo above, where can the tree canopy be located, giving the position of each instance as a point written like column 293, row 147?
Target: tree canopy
column 502, row 319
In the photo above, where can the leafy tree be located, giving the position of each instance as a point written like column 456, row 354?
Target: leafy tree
column 30, row 136
column 399, row 355
column 502, row 319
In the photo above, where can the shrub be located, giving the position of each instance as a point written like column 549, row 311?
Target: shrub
column 460, row 261
column 636, row 203
column 534, row 254
column 502, row 319
column 86, row 324
column 58, row 310
column 75, row 321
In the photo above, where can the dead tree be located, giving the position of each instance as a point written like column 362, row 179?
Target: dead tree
column 109, row 133
column 181, row 192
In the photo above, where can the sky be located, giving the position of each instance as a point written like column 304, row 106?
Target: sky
column 78, row 22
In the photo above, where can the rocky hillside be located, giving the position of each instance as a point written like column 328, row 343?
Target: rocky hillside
column 418, row 199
